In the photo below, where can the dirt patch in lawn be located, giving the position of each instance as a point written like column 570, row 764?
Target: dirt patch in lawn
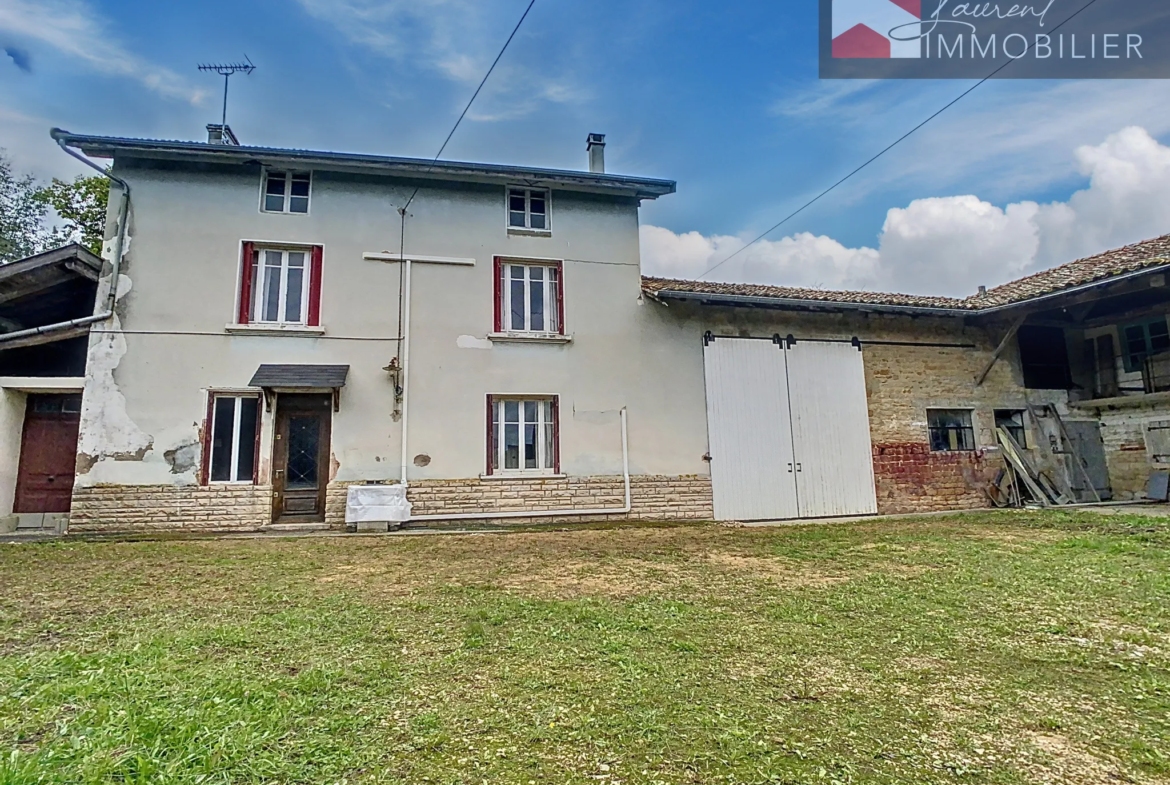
column 783, row 571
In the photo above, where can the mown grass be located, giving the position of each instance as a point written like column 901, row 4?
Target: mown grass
column 1003, row 648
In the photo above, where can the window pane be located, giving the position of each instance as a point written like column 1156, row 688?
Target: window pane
column 275, row 184
column 249, row 412
column 298, row 204
column 511, row 446
column 548, row 442
column 538, row 213
column 300, row 185
column 1159, row 337
column 536, row 205
column 516, row 220
column 274, row 204
column 511, row 411
column 537, row 300
column 530, row 446
column 222, row 429
column 271, row 295
column 292, row 301
column 495, row 437
column 517, row 272
column 530, row 411
column 538, row 222
column 1135, row 340
column 516, row 202
column 554, row 315
column 518, row 303
column 254, row 281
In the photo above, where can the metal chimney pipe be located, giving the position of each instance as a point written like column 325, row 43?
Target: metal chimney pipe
column 596, row 148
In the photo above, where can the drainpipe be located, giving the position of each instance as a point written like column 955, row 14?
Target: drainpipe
column 405, row 368
column 115, row 263
column 623, row 510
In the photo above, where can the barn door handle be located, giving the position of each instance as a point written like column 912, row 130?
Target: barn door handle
column 798, row 468
column 790, row 468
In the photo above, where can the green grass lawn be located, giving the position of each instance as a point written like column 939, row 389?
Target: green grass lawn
column 1005, row 648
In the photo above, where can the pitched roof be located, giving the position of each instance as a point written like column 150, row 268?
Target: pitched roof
column 1131, row 258
column 1147, row 255
column 622, row 185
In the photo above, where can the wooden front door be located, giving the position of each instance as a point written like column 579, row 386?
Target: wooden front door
column 48, row 454
column 300, row 461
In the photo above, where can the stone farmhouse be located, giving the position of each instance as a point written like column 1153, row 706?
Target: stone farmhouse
column 268, row 327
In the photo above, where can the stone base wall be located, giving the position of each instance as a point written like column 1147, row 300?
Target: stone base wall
column 911, row 478
column 113, row 508
column 1123, row 430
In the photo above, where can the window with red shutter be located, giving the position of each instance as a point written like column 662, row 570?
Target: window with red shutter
column 281, row 285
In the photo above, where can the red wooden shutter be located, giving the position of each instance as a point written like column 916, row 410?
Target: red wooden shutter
column 246, row 283
column 556, row 426
column 560, row 299
column 491, row 413
column 205, row 477
column 256, row 454
column 315, row 286
column 498, row 291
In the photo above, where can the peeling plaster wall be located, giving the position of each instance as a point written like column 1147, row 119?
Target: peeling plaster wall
column 11, row 429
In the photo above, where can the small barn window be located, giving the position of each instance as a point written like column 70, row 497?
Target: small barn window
column 1140, row 341
column 950, row 430
column 1012, row 421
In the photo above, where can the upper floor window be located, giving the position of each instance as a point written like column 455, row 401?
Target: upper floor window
column 281, row 286
column 287, row 192
column 1139, row 341
column 529, row 297
column 528, row 209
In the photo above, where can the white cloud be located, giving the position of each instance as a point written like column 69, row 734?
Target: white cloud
column 951, row 245
column 70, row 27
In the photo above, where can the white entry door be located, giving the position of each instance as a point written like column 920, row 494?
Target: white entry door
column 749, row 430
column 830, row 430
column 788, row 428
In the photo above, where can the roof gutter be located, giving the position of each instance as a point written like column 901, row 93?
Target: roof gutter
column 115, row 264
column 797, row 304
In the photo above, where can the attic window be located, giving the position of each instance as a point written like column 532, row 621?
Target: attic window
column 286, row 192
column 528, row 210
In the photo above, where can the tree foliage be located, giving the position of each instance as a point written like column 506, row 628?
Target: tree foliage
column 81, row 204
column 22, row 215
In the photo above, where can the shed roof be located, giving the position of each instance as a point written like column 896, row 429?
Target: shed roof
column 1146, row 256
column 621, row 185
column 300, row 377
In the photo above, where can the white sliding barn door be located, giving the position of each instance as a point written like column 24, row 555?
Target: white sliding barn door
column 830, row 426
column 749, row 430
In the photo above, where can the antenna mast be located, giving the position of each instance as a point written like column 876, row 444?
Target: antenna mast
column 226, row 70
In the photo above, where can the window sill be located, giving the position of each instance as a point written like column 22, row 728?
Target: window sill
column 521, row 476
column 513, row 230
column 518, row 337
column 274, row 329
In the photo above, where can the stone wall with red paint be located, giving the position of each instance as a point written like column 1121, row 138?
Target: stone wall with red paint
column 911, row 478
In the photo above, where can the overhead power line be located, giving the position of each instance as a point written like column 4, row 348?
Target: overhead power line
column 891, row 146
column 475, row 95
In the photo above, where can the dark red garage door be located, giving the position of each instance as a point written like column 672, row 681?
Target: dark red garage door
column 48, row 453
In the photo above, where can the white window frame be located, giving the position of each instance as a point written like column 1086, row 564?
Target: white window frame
column 255, row 315
column 547, row 435
column 234, row 460
column 551, row 290
column 288, row 175
column 528, row 192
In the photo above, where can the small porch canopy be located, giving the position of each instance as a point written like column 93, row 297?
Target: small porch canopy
column 300, row 379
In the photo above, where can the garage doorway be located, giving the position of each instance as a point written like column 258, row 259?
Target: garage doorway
column 48, row 454
column 788, row 427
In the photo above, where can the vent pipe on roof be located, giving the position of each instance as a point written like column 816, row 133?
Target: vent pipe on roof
column 221, row 134
column 596, row 148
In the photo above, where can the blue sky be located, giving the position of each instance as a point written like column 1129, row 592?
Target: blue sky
column 722, row 97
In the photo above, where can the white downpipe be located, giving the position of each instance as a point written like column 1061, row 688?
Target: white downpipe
column 472, row 516
column 405, row 369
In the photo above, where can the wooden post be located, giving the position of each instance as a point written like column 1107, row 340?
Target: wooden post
column 999, row 350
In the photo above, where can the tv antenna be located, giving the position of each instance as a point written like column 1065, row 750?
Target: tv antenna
column 226, row 70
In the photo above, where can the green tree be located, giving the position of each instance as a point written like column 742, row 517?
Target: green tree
column 22, row 214
column 81, row 204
